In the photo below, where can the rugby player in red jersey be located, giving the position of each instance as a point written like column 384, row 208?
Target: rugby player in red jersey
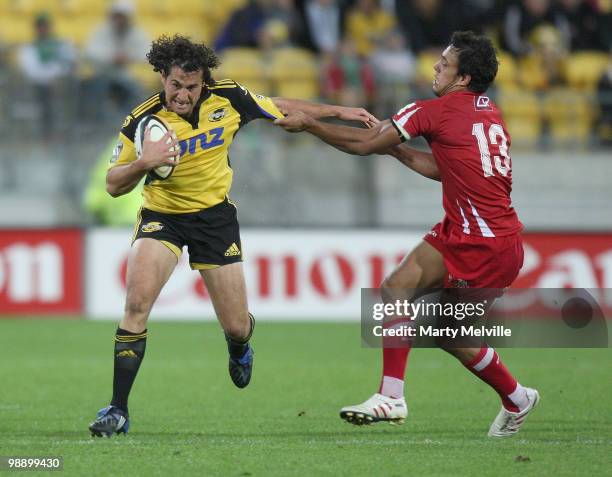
column 477, row 244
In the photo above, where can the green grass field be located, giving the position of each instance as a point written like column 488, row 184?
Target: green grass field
column 188, row 419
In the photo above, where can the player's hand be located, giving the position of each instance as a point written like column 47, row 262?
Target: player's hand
column 357, row 114
column 295, row 121
column 159, row 153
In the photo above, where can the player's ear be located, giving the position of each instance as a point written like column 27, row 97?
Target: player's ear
column 464, row 80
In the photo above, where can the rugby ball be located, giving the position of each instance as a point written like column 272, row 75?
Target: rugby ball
column 158, row 128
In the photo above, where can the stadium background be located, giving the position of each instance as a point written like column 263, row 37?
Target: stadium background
column 318, row 225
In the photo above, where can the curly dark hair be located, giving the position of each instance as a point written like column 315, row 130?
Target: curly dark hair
column 180, row 51
column 477, row 58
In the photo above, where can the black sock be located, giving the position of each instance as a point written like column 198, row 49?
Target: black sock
column 237, row 348
column 129, row 352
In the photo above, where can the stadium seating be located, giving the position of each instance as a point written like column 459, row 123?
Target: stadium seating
column 522, row 115
column 507, row 73
column 246, row 66
column 72, row 19
column 584, row 69
column 290, row 72
column 28, row 8
column 530, row 106
column 201, row 9
column 16, row 29
column 531, row 74
column 294, row 73
column 22, row 7
column 425, row 64
column 569, row 114
column 218, row 9
column 75, row 27
column 78, row 8
column 193, row 27
column 148, row 78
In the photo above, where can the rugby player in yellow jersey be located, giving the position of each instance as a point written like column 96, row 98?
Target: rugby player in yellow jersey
column 191, row 207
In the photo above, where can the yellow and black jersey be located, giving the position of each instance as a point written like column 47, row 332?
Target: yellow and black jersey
column 203, row 176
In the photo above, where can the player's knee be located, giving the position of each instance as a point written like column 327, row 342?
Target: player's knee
column 393, row 282
column 237, row 330
column 388, row 284
column 137, row 308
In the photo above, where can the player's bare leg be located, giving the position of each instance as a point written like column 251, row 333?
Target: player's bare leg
column 227, row 291
column 422, row 268
column 150, row 264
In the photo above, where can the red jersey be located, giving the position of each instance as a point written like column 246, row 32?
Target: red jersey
column 470, row 143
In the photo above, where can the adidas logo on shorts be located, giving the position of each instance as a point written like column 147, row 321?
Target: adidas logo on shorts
column 232, row 251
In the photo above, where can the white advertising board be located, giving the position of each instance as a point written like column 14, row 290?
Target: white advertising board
column 290, row 274
column 318, row 275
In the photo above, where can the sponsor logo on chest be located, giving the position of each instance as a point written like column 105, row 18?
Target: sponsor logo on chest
column 203, row 141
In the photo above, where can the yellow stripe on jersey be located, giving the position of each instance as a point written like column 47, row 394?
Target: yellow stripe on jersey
column 223, row 83
column 138, row 110
column 265, row 104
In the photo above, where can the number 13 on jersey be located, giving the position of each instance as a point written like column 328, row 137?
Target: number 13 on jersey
column 497, row 138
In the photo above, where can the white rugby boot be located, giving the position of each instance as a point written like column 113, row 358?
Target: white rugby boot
column 378, row 408
column 508, row 423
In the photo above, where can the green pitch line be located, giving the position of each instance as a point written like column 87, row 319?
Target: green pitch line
column 188, row 419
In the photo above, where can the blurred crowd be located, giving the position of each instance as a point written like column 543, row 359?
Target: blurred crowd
column 555, row 55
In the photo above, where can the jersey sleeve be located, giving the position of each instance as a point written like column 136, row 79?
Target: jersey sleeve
column 125, row 151
column 265, row 107
column 250, row 105
column 416, row 119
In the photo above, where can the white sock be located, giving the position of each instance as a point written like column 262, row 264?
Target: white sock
column 519, row 397
column 392, row 387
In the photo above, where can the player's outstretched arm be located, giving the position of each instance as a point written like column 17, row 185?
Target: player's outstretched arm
column 419, row 161
column 318, row 110
column 348, row 139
